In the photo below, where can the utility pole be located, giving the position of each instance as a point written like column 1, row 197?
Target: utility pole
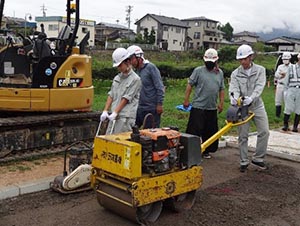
column 43, row 8
column 128, row 15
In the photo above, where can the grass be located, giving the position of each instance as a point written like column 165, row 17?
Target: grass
column 175, row 90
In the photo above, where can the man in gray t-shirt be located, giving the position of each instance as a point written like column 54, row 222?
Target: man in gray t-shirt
column 208, row 81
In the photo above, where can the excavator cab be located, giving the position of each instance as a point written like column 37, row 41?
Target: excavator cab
column 47, row 74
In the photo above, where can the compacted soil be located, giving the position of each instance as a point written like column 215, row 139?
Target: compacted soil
column 227, row 197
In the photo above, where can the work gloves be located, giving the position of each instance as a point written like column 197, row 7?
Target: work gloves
column 112, row 116
column 103, row 116
column 233, row 101
column 247, row 100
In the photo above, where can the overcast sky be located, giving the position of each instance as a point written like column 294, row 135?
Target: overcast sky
column 247, row 15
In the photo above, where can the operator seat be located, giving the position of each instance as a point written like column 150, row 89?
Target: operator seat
column 41, row 47
column 63, row 39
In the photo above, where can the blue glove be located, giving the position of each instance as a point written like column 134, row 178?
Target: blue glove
column 103, row 116
column 113, row 116
column 185, row 109
column 247, row 100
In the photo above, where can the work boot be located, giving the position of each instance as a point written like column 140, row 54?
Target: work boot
column 286, row 122
column 296, row 122
column 278, row 111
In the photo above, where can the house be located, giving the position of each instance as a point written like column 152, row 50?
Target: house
column 203, row 33
column 170, row 33
column 285, row 44
column 11, row 27
column 107, row 32
column 245, row 37
column 54, row 24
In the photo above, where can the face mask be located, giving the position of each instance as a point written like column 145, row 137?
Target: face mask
column 210, row 65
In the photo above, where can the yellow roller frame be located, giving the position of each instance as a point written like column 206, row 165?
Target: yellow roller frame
column 224, row 130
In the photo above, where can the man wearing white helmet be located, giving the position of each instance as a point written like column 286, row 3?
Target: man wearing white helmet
column 279, row 77
column 123, row 96
column 292, row 100
column 248, row 81
column 152, row 91
column 208, row 99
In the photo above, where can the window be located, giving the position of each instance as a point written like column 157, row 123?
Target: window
column 175, row 41
column 53, row 27
column 178, row 30
column 166, row 28
column 197, row 24
column 197, row 35
column 84, row 30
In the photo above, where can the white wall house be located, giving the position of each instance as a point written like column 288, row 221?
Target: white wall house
column 285, row 44
column 53, row 25
column 203, row 33
column 170, row 33
column 245, row 37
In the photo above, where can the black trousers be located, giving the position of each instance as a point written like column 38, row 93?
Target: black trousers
column 204, row 123
column 151, row 121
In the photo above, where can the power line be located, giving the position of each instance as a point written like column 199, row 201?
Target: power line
column 128, row 15
column 43, row 8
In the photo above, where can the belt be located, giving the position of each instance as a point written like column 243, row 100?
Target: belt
column 295, row 87
column 281, row 83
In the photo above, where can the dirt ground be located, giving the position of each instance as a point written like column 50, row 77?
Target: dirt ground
column 227, row 198
column 16, row 173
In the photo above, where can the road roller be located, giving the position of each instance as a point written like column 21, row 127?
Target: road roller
column 137, row 173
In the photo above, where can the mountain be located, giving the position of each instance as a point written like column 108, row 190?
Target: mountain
column 278, row 33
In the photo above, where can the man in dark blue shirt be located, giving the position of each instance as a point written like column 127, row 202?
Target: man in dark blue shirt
column 152, row 92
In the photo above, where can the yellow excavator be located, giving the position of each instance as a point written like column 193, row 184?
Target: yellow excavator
column 135, row 174
column 46, row 90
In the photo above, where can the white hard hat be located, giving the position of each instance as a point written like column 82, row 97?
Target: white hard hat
column 211, row 55
column 243, row 51
column 135, row 50
column 119, row 55
column 286, row 56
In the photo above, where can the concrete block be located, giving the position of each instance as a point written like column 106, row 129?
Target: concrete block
column 9, row 192
column 35, row 186
column 222, row 143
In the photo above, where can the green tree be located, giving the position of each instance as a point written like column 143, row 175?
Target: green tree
column 139, row 39
column 146, row 35
column 228, row 30
column 227, row 54
column 151, row 39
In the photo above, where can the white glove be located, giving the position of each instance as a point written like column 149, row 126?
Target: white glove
column 103, row 116
column 233, row 101
column 247, row 100
column 113, row 116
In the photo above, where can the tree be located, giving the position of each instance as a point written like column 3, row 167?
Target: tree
column 146, row 35
column 151, row 39
column 139, row 38
column 228, row 30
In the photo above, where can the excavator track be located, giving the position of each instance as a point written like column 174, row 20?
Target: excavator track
column 28, row 135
